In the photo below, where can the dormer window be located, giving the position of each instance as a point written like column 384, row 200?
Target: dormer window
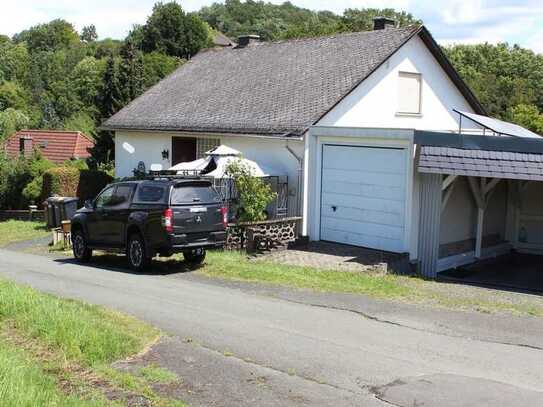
column 409, row 93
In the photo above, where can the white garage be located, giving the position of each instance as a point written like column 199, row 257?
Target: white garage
column 363, row 196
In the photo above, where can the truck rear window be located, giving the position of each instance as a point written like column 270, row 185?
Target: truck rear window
column 150, row 193
column 187, row 194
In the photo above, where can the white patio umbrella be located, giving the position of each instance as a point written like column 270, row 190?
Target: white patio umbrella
column 221, row 157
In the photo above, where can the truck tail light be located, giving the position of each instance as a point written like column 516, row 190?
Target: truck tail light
column 167, row 220
column 224, row 214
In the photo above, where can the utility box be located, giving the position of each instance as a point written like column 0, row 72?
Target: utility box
column 60, row 208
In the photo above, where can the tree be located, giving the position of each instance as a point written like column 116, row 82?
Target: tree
column 501, row 76
column 527, row 116
column 14, row 62
column 81, row 121
column 50, row 36
column 88, row 33
column 86, row 80
column 283, row 21
column 136, row 36
column 362, row 19
column 110, row 97
column 131, row 72
column 157, row 66
column 13, row 95
column 12, row 120
column 171, row 31
column 106, row 48
column 110, row 100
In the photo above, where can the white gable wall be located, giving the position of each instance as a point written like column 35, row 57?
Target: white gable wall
column 374, row 102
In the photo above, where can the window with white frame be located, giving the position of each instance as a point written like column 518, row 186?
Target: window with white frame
column 205, row 144
column 409, row 93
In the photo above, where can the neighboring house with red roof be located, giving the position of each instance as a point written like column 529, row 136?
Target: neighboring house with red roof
column 55, row 145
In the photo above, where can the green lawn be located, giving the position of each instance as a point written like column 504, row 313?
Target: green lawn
column 48, row 345
column 19, row 230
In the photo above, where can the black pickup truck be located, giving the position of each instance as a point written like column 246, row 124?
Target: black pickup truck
column 155, row 216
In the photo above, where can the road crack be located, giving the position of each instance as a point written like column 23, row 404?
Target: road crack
column 398, row 324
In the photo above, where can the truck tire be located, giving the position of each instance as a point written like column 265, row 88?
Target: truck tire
column 138, row 259
column 80, row 248
column 195, row 257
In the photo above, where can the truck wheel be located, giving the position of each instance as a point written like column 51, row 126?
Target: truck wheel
column 81, row 251
column 195, row 257
column 137, row 254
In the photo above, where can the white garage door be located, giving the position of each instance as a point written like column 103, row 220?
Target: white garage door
column 363, row 196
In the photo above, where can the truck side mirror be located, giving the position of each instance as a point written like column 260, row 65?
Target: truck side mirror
column 88, row 204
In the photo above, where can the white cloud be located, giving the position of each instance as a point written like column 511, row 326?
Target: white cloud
column 460, row 11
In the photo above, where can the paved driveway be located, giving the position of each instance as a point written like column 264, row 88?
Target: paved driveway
column 308, row 355
column 518, row 272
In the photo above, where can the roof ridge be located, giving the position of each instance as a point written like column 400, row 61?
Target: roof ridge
column 48, row 131
column 59, row 132
column 268, row 43
column 343, row 34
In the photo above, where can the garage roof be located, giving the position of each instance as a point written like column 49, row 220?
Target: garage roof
column 481, row 163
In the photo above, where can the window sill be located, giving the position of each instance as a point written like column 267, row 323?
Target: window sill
column 403, row 114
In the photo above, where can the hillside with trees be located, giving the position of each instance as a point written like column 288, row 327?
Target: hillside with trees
column 53, row 77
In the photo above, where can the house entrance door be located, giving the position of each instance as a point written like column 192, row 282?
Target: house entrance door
column 183, row 150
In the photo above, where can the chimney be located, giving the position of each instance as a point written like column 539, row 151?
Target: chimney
column 382, row 23
column 25, row 146
column 245, row 40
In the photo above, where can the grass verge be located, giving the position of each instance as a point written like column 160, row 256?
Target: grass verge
column 59, row 352
column 18, row 230
column 236, row 266
column 24, row 384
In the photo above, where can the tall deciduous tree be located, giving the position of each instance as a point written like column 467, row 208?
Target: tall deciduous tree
column 172, row 31
column 50, row 36
column 88, row 33
column 12, row 120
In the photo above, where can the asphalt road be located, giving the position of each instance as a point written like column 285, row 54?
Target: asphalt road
column 312, row 355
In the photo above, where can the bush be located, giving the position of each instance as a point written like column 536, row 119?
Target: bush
column 71, row 181
column 62, row 181
column 21, row 179
column 254, row 194
column 14, row 175
column 37, row 165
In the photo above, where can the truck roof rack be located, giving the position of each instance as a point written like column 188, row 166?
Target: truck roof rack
column 167, row 175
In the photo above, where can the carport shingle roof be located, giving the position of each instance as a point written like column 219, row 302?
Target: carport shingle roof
column 266, row 88
column 481, row 163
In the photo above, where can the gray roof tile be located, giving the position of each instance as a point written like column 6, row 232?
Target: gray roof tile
column 266, row 88
column 481, row 163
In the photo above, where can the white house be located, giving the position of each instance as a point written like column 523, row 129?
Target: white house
column 348, row 118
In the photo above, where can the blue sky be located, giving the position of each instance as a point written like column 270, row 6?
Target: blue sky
column 453, row 21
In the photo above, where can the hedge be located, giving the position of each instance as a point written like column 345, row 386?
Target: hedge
column 71, row 181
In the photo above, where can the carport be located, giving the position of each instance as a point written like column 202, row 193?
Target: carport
column 481, row 195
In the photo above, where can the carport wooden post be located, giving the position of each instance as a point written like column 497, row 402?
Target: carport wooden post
column 431, row 204
column 481, row 191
